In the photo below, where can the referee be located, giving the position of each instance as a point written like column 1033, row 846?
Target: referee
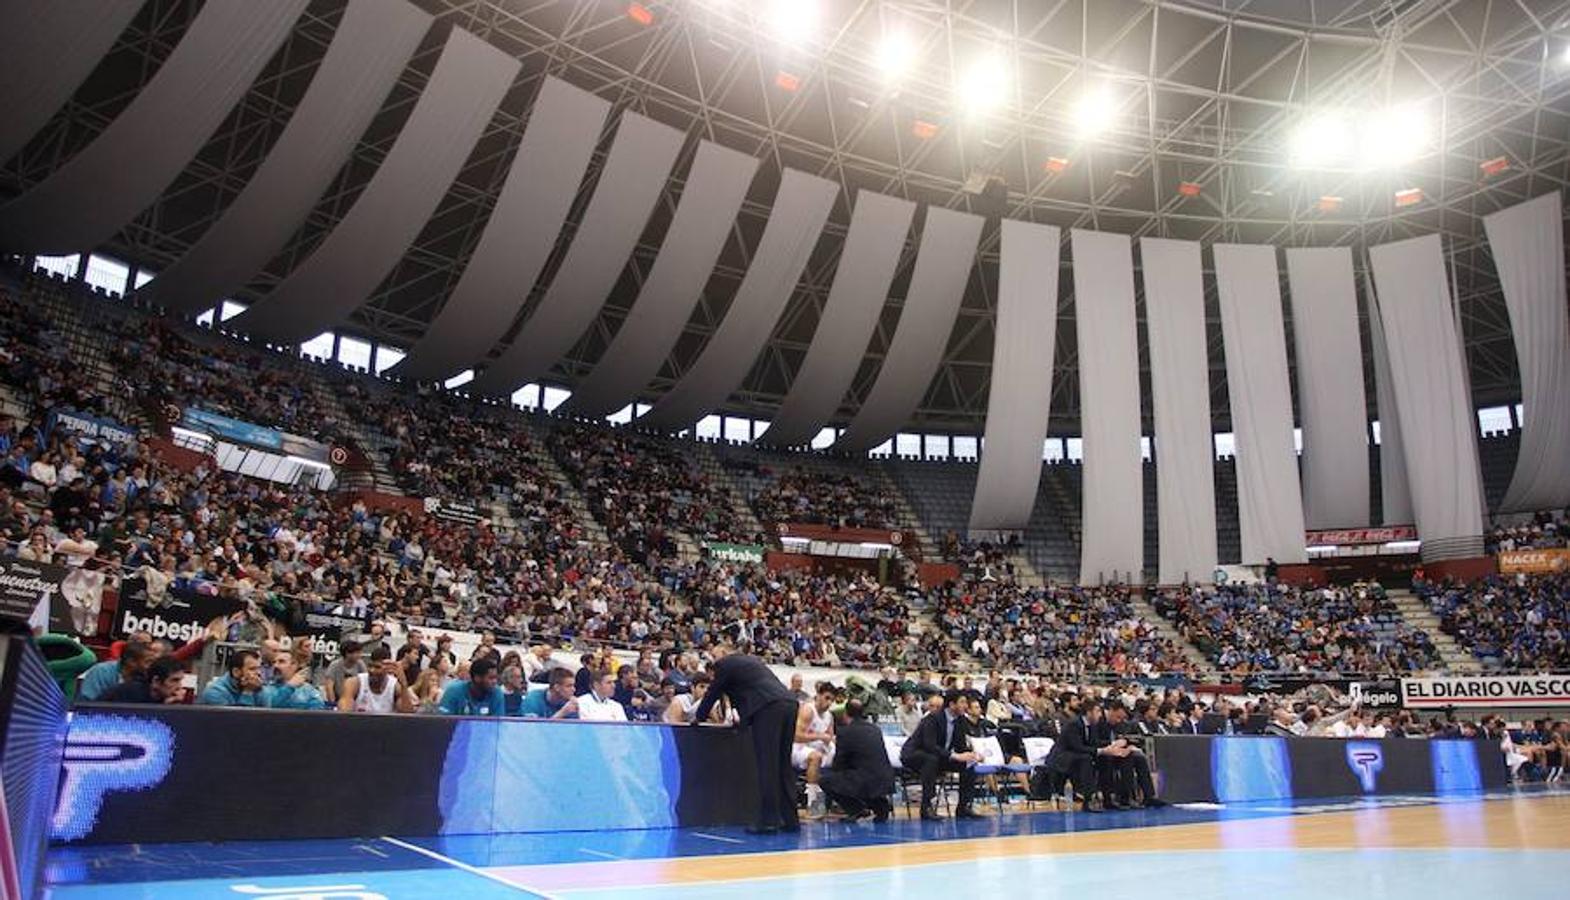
column 769, row 710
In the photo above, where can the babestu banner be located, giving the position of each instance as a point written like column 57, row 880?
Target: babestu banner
column 734, row 553
column 1485, row 690
column 175, row 615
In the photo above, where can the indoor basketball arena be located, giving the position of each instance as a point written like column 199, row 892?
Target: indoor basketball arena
column 674, row 449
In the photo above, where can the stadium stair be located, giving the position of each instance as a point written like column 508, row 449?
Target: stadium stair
column 1416, row 614
column 1166, row 629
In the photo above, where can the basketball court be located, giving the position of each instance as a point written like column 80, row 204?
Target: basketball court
column 1518, row 841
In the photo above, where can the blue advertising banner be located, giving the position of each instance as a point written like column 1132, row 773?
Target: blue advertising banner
column 166, row 773
column 1217, row 769
column 90, row 426
column 219, row 425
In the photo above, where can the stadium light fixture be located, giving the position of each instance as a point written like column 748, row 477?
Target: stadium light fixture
column 793, row 21
column 1094, row 112
column 896, row 55
column 1323, row 139
column 983, row 85
column 1392, row 137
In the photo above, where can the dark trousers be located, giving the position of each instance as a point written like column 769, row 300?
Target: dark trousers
column 773, row 730
column 844, row 792
column 929, row 767
column 1129, row 773
column 1081, row 769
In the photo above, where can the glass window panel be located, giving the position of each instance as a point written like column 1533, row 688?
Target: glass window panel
column 1297, row 440
column 321, row 345
column 64, row 266
column 1144, row 448
column 354, row 352
column 554, row 397
column 738, row 429
column 1226, row 445
column 621, row 416
column 109, row 274
column 824, row 438
column 709, row 427
column 1052, row 450
column 206, row 319
column 1494, row 420
column 964, row 447
column 936, row 446
column 1520, row 414
column 907, row 444
column 882, row 450
column 527, row 397
column 231, row 308
column 387, row 357
column 1076, row 449
column 143, row 276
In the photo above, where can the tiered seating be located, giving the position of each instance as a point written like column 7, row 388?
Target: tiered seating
column 1517, row 623
column 1277, row 628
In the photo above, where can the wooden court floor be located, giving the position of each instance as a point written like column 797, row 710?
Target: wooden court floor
column 1517, row 829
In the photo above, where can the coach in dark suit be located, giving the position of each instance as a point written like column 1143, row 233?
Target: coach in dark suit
column 1080, row 749
column 768, row 710
column 941, row 744
column 862, row 778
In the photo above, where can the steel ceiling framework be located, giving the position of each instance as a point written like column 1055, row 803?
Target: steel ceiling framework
column 1205, row 92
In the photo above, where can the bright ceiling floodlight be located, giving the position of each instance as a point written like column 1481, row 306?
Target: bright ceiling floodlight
column 1095, row 112
column 896, row 55
column 792, row 21
column 984, row 85
column 1323, row 139
column 1392, row 137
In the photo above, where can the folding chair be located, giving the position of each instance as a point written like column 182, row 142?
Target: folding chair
column 1037, row 751
column 904, row 778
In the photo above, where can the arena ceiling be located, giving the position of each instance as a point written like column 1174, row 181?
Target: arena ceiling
column 1203, row 92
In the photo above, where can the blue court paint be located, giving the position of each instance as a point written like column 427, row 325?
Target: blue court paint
column 1278, row 874
column 1245, row 769
column 427, row 883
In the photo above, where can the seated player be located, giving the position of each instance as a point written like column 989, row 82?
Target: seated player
column 814, row 744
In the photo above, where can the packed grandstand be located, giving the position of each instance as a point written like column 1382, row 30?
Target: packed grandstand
column 592, row 535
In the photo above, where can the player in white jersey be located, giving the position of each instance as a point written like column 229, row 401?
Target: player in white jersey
column 814, row 745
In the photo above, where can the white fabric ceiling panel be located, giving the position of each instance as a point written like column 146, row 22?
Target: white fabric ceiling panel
column 1180, row 396
column 878, row 228
column 369, row 50
column 710, row 200
column 1528, row 244
column 1432, row 399
column 629, row 185
column 1020, row 395
column 801, row 206
column 470, row 79
column 943, row 263
column 1394, row 492
column 95, row 193
column 1333, row 411
column 1270, row 502
column 1112, row 544
column 49, row 48
column 564, row 125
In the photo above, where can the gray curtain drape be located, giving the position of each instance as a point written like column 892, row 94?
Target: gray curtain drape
column 531, row 208
column 629, row 185
column 710, row 200
column 1019, row 396
column 470, row 79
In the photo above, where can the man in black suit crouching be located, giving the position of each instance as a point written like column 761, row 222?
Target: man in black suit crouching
column 941, row 744
column 768, row 709
column 862, row 778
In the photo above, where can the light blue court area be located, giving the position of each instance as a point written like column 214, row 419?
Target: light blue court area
column 1224, row 875
column 1471, row 847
